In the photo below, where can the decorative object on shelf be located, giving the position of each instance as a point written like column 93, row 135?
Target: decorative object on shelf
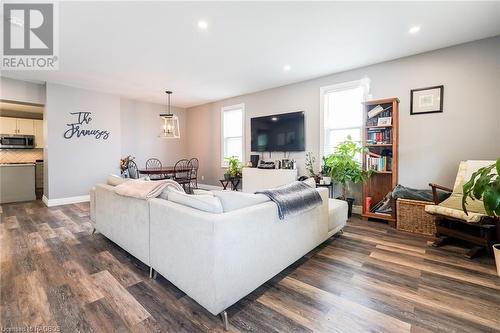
column 384, row 121
column 345, row 168
column 380, row 141
column 426, row 100
column 170, row 122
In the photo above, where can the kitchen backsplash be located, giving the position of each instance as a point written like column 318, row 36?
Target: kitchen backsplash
column 20, row 155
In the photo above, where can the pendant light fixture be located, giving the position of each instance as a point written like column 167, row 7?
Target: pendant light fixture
column 170, row 128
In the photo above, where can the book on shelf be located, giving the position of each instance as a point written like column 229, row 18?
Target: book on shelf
column 379, row 136
column 383, row 163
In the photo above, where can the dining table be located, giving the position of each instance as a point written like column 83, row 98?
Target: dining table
column 164, row 170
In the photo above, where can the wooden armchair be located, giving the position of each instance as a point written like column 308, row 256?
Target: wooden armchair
column 452, row 222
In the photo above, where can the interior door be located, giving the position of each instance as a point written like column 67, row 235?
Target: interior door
column 39, row 139
column 8, row 125
column 25, row 126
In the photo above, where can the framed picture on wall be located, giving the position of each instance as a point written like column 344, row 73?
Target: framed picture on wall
column 426, row 100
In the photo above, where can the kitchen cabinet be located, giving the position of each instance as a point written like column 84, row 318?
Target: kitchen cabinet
column 25, row 126
column 39, row 138
column 17, row 126
column 8, row 125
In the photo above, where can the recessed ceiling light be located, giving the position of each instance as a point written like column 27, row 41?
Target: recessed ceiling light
column 286, row 68
column 414, row 29
column 274, row 118
column 203, row 25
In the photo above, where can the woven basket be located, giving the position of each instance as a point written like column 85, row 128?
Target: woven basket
column 411, row 217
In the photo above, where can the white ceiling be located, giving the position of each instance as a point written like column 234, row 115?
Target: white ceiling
column 139, row 49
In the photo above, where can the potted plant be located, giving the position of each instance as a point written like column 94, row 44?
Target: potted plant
column 325, row 172
column 344, row 168
column 310, row 161
column 485, row 185
column 234, row 168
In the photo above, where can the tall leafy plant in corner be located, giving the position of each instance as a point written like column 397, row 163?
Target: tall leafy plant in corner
column 343, row 165
column 486, row 185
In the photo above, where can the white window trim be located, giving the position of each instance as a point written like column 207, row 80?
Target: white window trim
column 365, row 83
column 230, row 108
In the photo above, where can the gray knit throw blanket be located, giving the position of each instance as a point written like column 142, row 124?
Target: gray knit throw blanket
column 293, row 199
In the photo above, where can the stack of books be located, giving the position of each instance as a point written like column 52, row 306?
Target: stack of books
column 379, row 136
column 381, row 163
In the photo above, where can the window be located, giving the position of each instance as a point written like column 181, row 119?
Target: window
column 232, row 132
column 342, row 113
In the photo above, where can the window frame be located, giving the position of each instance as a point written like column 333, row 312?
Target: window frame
column 323, row 91
column 234, row 107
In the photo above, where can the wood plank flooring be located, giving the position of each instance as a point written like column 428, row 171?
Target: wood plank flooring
column 56, row 275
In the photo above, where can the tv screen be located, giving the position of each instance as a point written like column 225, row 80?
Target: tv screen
column 279, row 132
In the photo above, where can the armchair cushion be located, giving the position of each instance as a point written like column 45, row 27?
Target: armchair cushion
column 452, row 207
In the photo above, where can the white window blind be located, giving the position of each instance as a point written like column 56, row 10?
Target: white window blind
column 342, row 113
column 232, row 132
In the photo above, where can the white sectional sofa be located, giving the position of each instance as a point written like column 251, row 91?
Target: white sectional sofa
column 215, row 258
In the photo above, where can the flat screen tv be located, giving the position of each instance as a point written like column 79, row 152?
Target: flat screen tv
column 280, row 132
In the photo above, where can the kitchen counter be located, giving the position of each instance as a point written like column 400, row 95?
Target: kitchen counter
column 17, row 182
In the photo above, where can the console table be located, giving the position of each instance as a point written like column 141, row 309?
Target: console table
column 255, row 179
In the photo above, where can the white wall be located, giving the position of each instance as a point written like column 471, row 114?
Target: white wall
column 430, row 145
column 75, row 165
column 141, row 125
column 22, row 91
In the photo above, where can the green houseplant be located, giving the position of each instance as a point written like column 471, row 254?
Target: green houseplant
column 344, row 168
column 234, row 167
column 485, row 185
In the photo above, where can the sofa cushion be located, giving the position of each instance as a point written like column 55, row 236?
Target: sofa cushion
column 452, row 207
column 311, row 182
column 206, row 203
column 232, row 200
column 171, row 186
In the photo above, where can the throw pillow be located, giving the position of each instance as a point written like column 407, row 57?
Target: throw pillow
column 206, row 203
column 232, row 200
column 114, row 180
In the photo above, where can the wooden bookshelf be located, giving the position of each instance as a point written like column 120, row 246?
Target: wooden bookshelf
column 382, row 142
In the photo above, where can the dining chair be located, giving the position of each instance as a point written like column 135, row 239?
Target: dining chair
column 154, row 163
column 133, row 171
column 182, row 173
column 194, row 172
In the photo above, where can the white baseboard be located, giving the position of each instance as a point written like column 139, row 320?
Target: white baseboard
column 357, row 209
column 65, row 201
column 209, row 187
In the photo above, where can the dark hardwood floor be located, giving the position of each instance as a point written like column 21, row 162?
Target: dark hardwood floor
column 56, row 275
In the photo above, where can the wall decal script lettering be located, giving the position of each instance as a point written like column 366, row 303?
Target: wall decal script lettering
column 83, row 118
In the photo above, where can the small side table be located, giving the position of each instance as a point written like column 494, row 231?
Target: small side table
column 330, row 188
column 234, row 183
